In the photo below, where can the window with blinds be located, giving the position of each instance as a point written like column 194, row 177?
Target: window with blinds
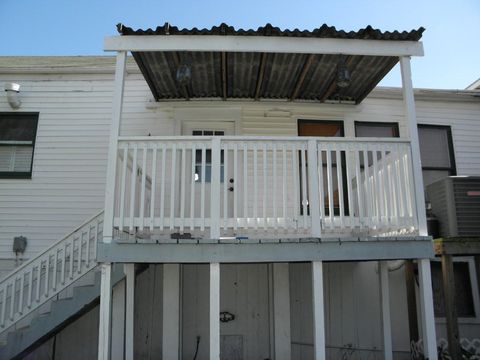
column 436, row 150
column 17, row 143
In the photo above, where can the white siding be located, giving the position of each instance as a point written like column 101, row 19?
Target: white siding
column 67, row 184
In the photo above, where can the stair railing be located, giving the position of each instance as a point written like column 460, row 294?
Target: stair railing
column 42, row 277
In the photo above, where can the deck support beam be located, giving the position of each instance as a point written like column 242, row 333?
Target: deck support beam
column 171, row 312
column 129, row 270
column 281, row 311
column 426, row 305
column 105, row 312
column 318, row 311
column 119, row 86
column 214, row 311
column 385, row 305
column 453, row 336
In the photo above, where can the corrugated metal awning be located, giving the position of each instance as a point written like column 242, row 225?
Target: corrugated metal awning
column 253, row 75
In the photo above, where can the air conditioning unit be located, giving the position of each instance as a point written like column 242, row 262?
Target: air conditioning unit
column 455, row 202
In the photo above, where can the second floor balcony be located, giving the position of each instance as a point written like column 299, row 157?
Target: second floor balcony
column 239, row 189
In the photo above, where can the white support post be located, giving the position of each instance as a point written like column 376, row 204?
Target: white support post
column 129, row 270
column 385, row 304
column 410, row 117
column 318, row 311
column 214, row 311
column 117, row 344
column 426, row 305
column 313, row 190
column 171, row 312
column 113, row 145
column 105, row 312
column 281, row 312
column 215, row 190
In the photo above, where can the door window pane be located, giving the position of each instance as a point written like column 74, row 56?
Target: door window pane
column 208, row 157
column 372, row 129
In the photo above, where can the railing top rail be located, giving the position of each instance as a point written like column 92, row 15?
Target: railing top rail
column 39, row 255
column 266, row 138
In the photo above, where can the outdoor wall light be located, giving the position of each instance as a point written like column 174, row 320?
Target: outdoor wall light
column 13, row 95
column 343, row 75
column 184, row 74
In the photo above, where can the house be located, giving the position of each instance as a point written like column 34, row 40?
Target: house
column 234, row 194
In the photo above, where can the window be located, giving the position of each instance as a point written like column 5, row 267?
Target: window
column 208, row 157
column 374, row 129
column 436, row 150
column 17, row 142
column 464, row 287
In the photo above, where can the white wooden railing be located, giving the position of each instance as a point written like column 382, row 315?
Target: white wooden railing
column 236, row 186
column 47, row 274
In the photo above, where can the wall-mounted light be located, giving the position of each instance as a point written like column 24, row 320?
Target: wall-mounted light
column 343, row 74
column 13, row 95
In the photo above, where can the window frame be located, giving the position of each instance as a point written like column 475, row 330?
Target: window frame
column 396, row 127
column 453, row 166
column 472, row 273
column 21, row 174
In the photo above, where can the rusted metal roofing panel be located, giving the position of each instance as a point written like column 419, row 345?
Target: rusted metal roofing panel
column 251, row 75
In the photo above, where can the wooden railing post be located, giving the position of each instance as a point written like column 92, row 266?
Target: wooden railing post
column 215, row 190
column 313, row 191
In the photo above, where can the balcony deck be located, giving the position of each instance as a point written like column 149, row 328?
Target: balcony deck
column 250, row 188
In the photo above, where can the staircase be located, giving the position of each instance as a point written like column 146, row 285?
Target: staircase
column 40, row 282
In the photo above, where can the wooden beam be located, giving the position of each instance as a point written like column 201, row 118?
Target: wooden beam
column 385, row 306
column 426, row 305
column 270, row 44
column 302, row 76
column 453, row 336
column 224, row 75
column 460, row 246
column 105, row 312
column 318, row 311
column 411, row 301
column 171, row 312
column 260, row 76
column 129, row 270
column 281, row 312
column 214, row 311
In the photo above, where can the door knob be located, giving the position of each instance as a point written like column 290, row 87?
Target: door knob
column 231, row 181
column 230, row 188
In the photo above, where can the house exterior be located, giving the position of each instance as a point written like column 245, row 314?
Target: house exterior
column 240, row 193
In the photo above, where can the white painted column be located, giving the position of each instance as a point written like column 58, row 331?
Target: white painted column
column 281, row 311
column 105, row 312
column 318, row 311
column 411, row 119
column 214, row 311
column 118, row 321
column 113, row 144
column 385, row 305
column 129, row 271
column 171, row 312
column 426, row 306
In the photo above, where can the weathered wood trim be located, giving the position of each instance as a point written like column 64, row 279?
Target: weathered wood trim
column 458, row 246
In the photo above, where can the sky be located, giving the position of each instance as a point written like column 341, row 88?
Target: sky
column 65, row 27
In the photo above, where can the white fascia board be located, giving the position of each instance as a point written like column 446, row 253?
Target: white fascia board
column 269, row 44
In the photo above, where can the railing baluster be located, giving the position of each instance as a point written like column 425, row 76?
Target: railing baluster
column 284, row 185
column 225, row 185
column 80, row 251
column 20, row 297
column 55, row 264
column 368, row 195
column 173, row 186
column 348, row 167
column 388, row 190
column 192, row 189
column 296, row 186
column 39, row 279
column 235, row 177
column 12, row 299
column 123, row 188
column 143, row 186
column 183, row 187
column 245, row 185
column 304, row 186
column 133, row 183
column 215, row 189
column 359, row 184
column 274, row 180
column 153, row 187
column 320, row 183
column 255, row 186
column 403, row 183
column 202, row 190
column 30, row 288
column 265, row 189
column 338, row 155
column 64, row 263
column 47, row 272
column 330, row 186
column 378, row 199
column 4, row 306
column 72, row 249
column 162, row 187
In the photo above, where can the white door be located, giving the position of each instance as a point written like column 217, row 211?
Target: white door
column 211, row 128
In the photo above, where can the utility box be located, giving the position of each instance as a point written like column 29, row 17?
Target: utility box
column 455, row 202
